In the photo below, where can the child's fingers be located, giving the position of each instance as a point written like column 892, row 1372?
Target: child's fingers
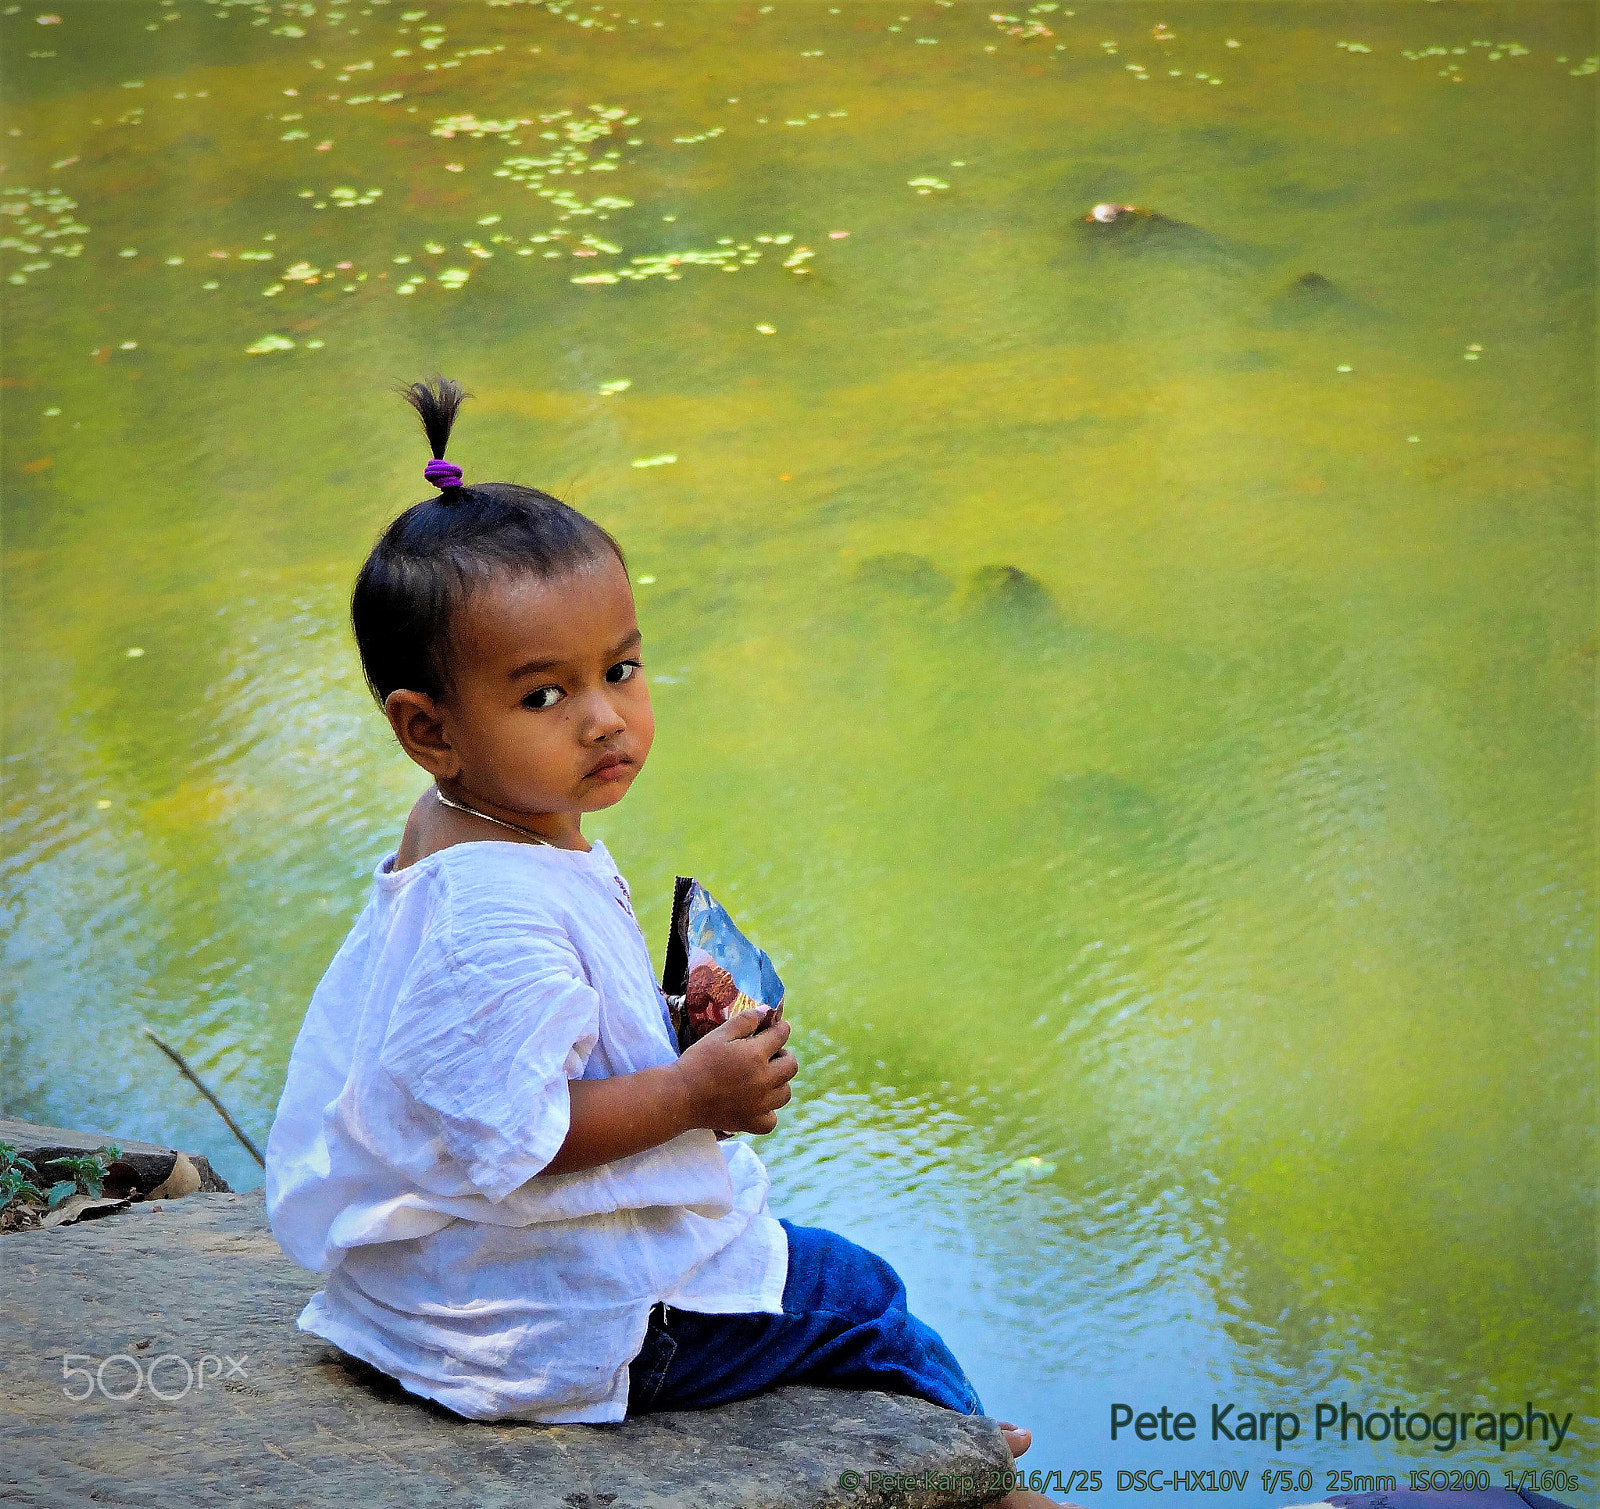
column 771, row 1040
column 780, row 1068
column 766, row 1105
column 742, row 1023
column 785, row 1064
column 744, row 1074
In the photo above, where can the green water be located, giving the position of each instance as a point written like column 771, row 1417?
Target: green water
column 1189, row 931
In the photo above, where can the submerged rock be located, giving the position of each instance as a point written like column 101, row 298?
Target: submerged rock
column 1133, row 231
column 1009, row 598
column 1312, row 288
column 1313, row 297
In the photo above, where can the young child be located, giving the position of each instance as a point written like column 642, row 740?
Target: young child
column 488, row 1140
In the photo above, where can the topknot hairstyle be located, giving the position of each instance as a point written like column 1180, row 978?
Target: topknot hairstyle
column 432, row 558
column 437, row 407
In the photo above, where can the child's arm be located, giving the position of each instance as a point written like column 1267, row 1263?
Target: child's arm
column 733, row 1080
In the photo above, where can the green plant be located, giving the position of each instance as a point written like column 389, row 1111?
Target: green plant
column 16, row 1178
column 87, row 1170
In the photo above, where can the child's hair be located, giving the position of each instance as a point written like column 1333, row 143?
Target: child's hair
column 438, row 552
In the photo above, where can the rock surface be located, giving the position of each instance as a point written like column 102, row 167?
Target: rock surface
column 282, row 1418
column 152, row 1164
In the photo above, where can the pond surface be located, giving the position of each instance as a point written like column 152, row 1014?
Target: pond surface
column 1140, row 692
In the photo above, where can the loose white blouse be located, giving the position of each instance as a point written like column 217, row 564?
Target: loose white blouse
column 427, row 1087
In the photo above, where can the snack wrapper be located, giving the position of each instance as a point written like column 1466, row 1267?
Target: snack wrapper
column 712, row 970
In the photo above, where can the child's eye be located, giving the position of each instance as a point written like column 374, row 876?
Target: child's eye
column 544, row 696
column 623, row 670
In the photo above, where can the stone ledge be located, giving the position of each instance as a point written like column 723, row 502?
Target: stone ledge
column 150, row 1162
column 309, row 1428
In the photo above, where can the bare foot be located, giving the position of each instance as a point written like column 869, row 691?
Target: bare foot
column 1019, row 1438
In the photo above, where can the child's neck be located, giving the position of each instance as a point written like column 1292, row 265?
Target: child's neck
column 432, row 826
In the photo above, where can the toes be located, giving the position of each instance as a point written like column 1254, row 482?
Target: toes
column 1017, row 1439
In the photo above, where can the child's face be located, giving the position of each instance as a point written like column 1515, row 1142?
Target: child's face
column 549, row 713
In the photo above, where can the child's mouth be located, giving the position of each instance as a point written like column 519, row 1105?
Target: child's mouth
column 611, row 768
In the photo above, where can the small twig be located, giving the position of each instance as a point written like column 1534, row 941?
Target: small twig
column 194, row 1079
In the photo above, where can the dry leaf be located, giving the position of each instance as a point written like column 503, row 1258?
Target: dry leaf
column 183, row 1180
column 78, row 1207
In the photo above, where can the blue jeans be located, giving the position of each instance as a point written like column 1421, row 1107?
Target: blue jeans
column 844, row 1325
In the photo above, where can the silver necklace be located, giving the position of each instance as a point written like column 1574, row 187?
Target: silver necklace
column 515, row 827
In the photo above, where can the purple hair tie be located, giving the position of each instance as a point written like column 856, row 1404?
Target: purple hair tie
column 443, row 474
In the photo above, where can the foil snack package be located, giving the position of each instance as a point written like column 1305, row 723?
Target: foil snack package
column 713, row 971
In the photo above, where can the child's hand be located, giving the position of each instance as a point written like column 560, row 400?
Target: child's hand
column 737, row 1077
column 734, row 1079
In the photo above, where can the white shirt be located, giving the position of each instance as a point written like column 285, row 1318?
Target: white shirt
column 427, row 1087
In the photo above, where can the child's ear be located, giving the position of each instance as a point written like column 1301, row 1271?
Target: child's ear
column 414, row 717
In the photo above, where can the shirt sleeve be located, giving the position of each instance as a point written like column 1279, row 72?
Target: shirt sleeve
column 481, row 1043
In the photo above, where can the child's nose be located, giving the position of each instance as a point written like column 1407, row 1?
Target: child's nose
column 601, row 717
